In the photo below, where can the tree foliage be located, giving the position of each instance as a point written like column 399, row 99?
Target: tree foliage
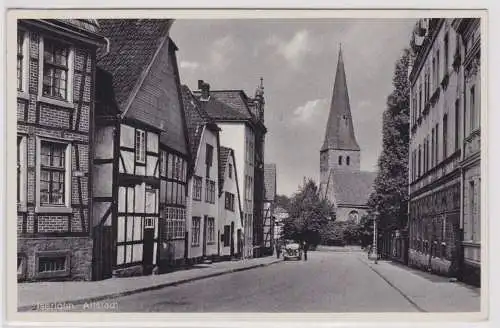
column 308, row 214
column 390, row 195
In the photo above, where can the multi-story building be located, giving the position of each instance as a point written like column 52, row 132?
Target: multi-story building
column 203, row 195
column 269, row 205
column 439, row 153
column 230, row 219
column 241, row 121
column 55, row 100
column 141, row 151
column 468, row 57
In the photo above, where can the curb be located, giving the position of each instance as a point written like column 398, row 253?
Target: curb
column 26, row 308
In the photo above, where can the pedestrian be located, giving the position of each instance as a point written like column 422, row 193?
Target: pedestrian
column 306, row 248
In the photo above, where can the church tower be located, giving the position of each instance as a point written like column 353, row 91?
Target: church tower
column 340, row 151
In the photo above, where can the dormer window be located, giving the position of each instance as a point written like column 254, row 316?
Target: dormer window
column 340, row 160
column 348, row 160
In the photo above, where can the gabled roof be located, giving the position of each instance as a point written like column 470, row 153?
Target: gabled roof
column 269, row 182
column 196, row 119
column 87, row 25
column 224, row 153
column 352, row 188
column 236, row 99
column 221, row 111
column 339, row 128
column 132, row 46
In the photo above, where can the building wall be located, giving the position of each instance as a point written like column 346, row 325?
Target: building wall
column 346, row 213
column 435, row 151
column 60, row 231
column 237, row 137
column 226, row 216
column 201, row 208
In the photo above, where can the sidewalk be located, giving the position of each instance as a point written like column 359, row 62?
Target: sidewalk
column 76, row 292
column 426, row 291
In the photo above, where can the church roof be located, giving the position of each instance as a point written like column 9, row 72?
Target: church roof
column 339, row 128
column 352, row 188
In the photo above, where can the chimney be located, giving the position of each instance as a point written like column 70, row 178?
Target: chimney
column 205, row 90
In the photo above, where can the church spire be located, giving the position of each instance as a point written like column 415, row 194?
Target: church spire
column 339, row 129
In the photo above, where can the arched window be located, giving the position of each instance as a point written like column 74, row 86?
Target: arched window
column 340, row 160
column 354, row 216
column 348, row 160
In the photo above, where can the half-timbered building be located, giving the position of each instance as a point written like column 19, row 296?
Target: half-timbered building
column 269, row 205
column 141, row 155
column 230, row 218
column 203, row 200
column 55, row 100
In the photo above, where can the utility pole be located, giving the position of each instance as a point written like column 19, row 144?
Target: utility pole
column 374, row 254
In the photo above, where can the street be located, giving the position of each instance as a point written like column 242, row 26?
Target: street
column 327, row 282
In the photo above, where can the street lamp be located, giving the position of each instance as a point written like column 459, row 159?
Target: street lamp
column 375, row 236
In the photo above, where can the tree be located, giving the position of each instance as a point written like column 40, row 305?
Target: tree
column 283, row 201
column 390, row 195
column 308, row 214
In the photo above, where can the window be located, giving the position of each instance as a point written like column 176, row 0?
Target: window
column 457, row 124
column 446, row 53
column 472, row 210
column 340, row 160
column 229, row 201
column 436, row 156
column 52, row 173
column 227, row 235
column 230, row 169
column 438, row 68
column 163, row 163
column 473, row 119
column 348, row 160
column 195, row 233
column 55, row 69
column 354, row 216
column 211, row 230
column 21, row 60
column 432, row 148
column 197, row 186
column 149, row 223
column 445, row 136
column 51, row 264
column 210, row 191
column 419, row 160
column 21, row 170
column 175, row 222
column 209, row 158
column 140, row 146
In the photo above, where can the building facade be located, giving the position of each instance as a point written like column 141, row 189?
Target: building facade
column 468, row 57
column 341, row 180
column 444, row 147
column 203, row 195
column 55, row 100
column 240, row 119
column 230, row 218
column 269, row 206
column 141, row 154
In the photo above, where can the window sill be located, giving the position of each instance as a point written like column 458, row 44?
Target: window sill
column 53, row 209
column 23, row 95
column 55, row 102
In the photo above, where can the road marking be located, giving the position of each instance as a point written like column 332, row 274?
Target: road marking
column 393, row 286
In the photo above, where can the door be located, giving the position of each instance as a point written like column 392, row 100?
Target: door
column 103, row 252
column 205, row 220
column 232, row 239
column 149, row 241
column 239, row 242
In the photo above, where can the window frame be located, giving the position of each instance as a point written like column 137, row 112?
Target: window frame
column 22, row 172
column 197, row 186
column 211, row 231
column 140, row 146
column 69, row 101
column 195, row 231
column 66, row 206
column 23, row 92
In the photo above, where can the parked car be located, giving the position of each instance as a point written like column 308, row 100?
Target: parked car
column 291, row 250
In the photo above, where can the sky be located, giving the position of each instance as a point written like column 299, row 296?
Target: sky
column 297, row 59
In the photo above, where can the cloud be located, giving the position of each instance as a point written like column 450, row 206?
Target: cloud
column 221, row 52
column 308, row 112
column 189, row 65
column 295, row 49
